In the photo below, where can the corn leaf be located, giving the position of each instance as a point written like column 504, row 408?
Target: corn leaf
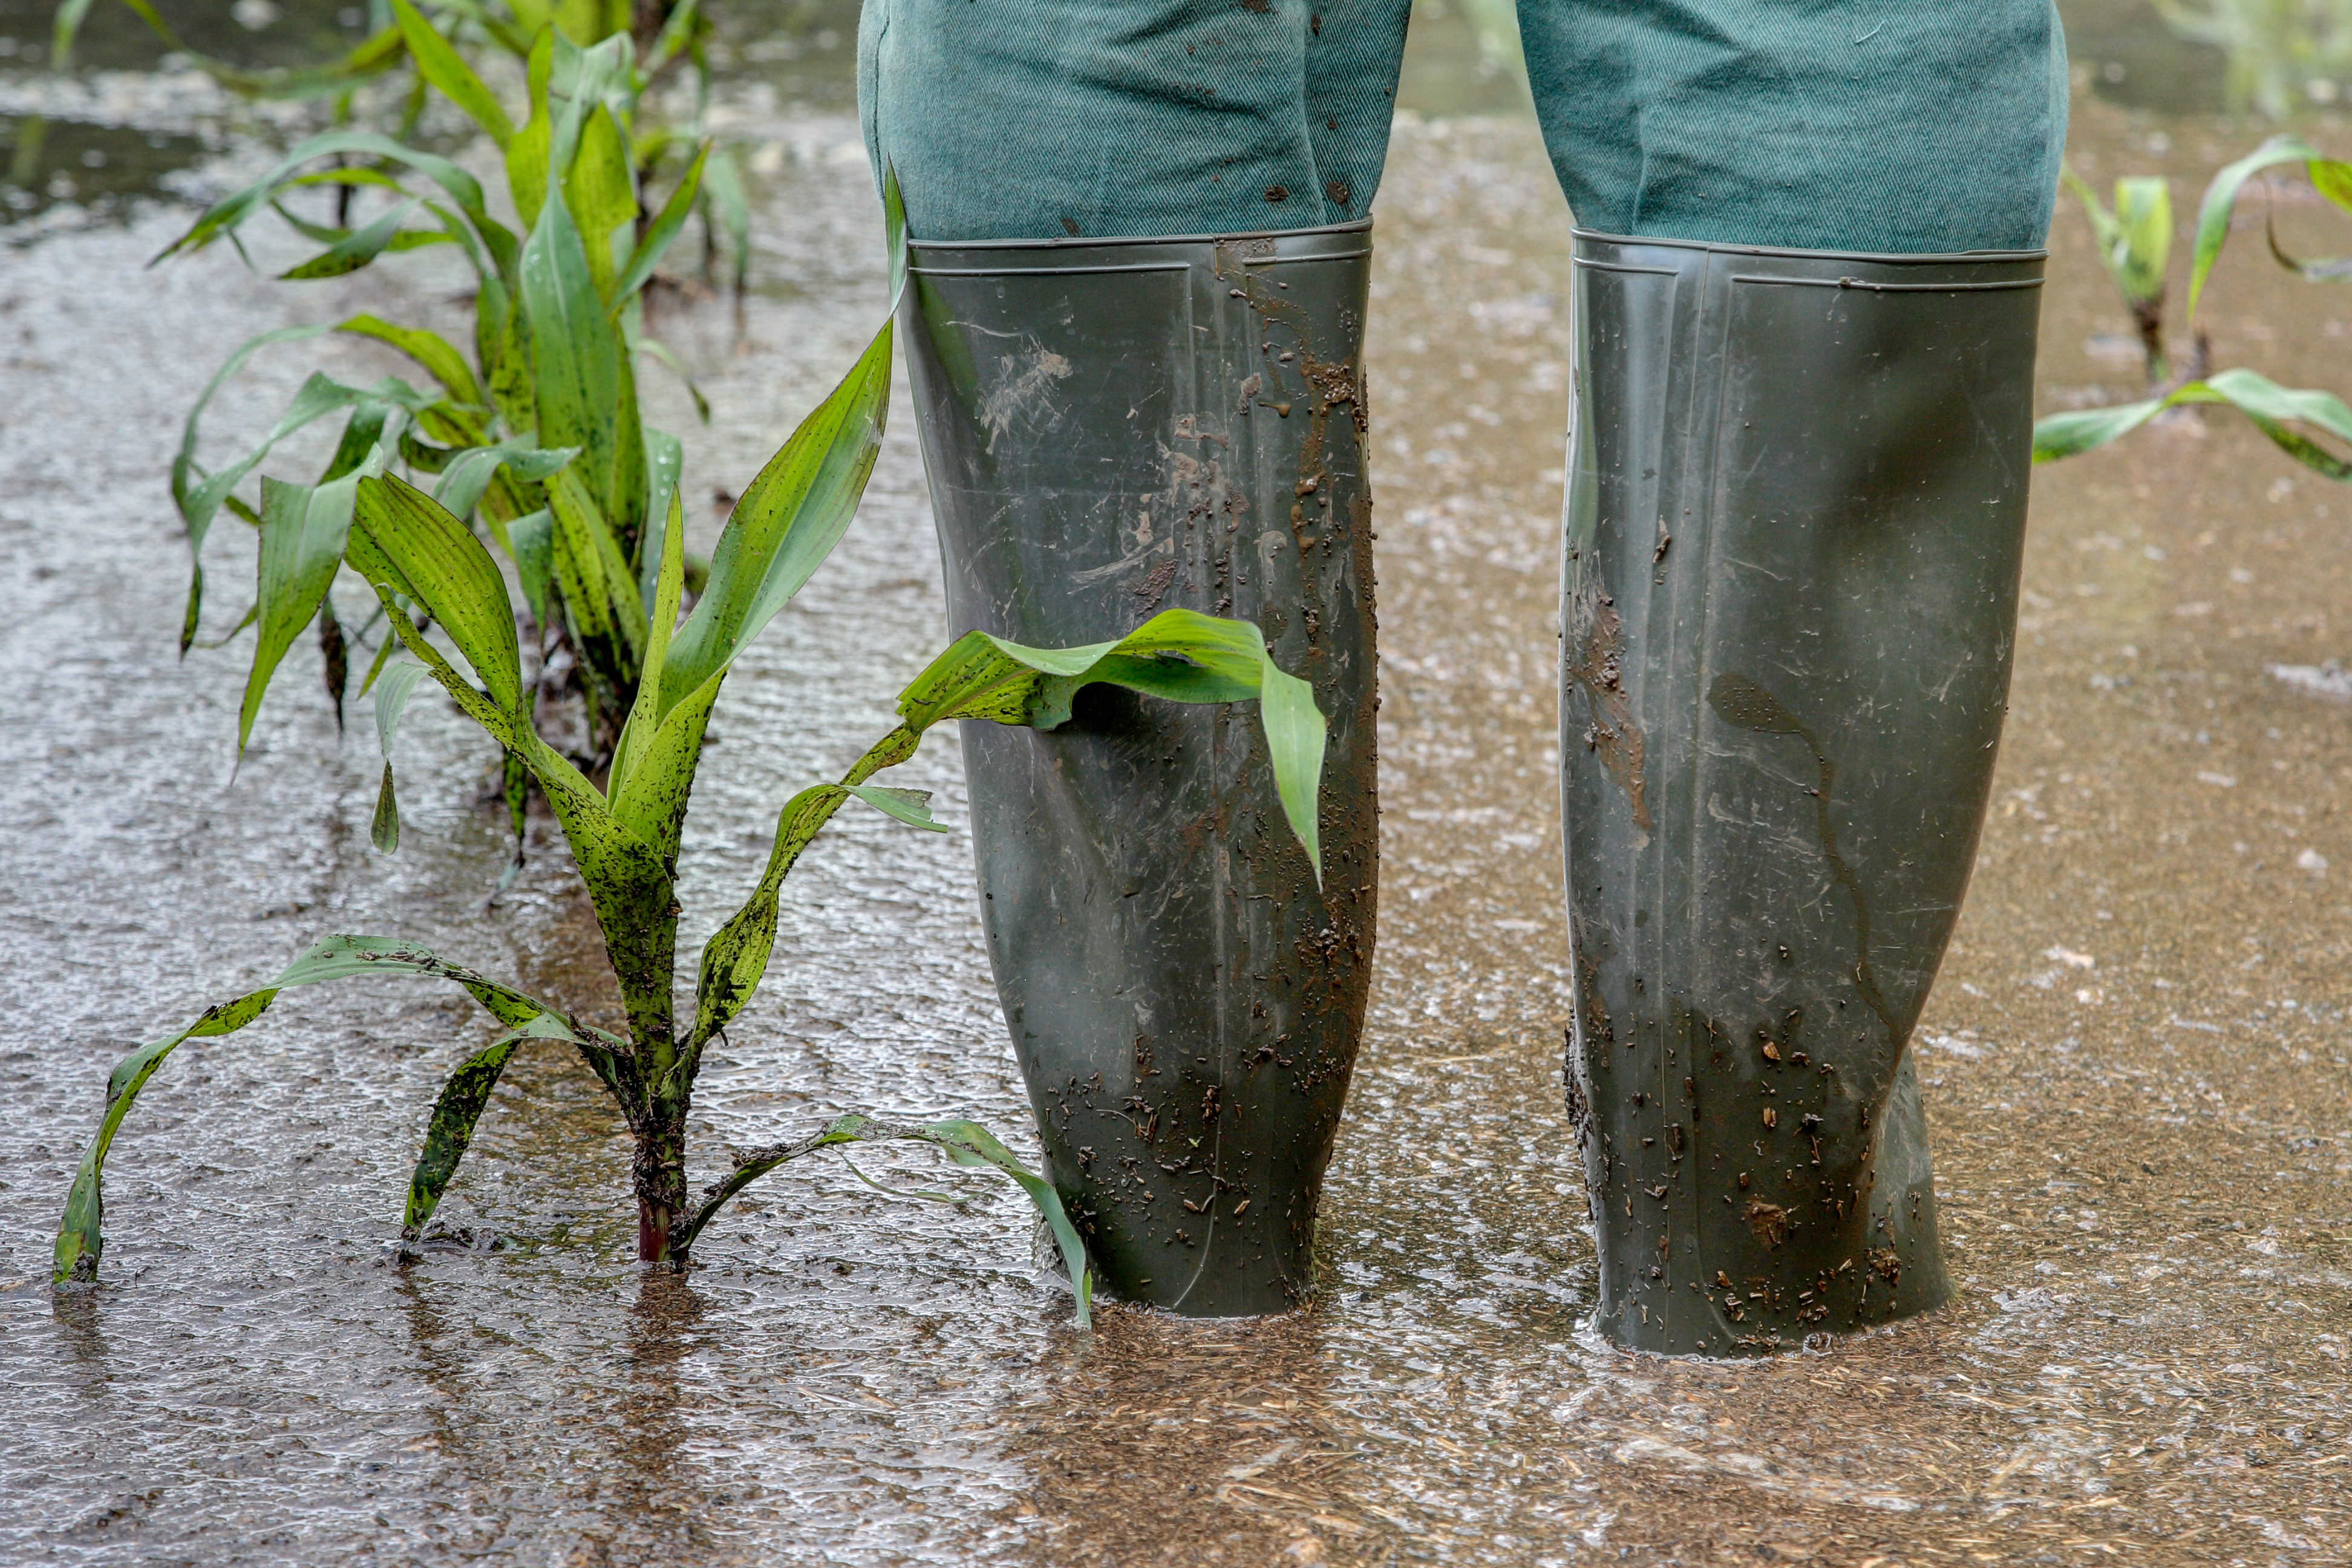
column 303, row 528
column 2331, row 177
column 736, row 957
column 599, row 193
column 663, row 230
column 574, row 353
column 440, row 64
column 392, row 689
column 224, row 216
column 786, row 523
column 470, row 473
column 460, row 1105
column 422, row 553
column 2272, row 407
column 722, row 182
column 637, row 733
column 532, row 543
column 966, row 1143
column 80, row 1234
column 431, row 349
column 1180, row 655
column 527, row 152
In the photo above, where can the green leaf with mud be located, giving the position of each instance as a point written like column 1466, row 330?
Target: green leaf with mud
column 460, row 1105
column 736, row 957
column 80, row 1233
column 436, row 561
column 225, row 215
column 431, row 349
column 1179, row 655
column 350, row 255
column 966, row 1143
column 599, row 193
column 574, row 353
column 660, row 232
column 786, row 523
column 441, row 64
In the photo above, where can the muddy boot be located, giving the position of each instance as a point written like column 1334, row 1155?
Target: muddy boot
column 1793, row 535
column 1113, row 428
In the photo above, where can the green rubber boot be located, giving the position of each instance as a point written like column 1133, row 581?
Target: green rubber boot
column 1113, row 427
column 1790, row 597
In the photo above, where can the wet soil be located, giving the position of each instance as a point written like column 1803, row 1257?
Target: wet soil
column 2135, row 1063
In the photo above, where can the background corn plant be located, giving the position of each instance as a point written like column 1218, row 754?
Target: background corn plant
column 537, row 438
column 2135, row 243
column 2134, row 254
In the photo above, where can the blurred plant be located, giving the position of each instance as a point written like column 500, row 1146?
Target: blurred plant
column 2135, row 242
column 660, row 32
column 2273, row 409
column 2280, row 52
column 426, row 566
column 540, row 438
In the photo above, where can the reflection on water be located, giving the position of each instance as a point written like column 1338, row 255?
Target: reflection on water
column 2135, row 1065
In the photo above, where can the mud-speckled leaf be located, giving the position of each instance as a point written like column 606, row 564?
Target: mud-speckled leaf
column 660, row 232
column 344, row 957
column 350, row 255
column 1179, row 655
column 470, row 473
column 233, row 209
column 575, row 353
column 457, row 1110
column 442, row 566
column 736, row 957
column 786, row 523
column 533, row 539
column 966, row 1143
column 441, row 64
column 81, row 1230
column 527, row 150
column 431, row 349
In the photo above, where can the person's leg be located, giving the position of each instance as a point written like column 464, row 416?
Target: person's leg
column 1124, row 117
column 1816, row 125
column 1115, row 423
column 1794, row 524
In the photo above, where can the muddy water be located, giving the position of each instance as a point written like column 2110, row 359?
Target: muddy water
column 2134, row 1064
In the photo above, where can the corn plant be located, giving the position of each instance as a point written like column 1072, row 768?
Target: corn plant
column 2275, row 410
column 2135, row 243
column 539, row 438
column 2276, row 49
column 426, row 565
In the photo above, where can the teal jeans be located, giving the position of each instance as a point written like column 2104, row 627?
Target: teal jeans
column 1908, row 126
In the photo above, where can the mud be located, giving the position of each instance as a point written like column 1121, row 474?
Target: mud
column 2134, row 1064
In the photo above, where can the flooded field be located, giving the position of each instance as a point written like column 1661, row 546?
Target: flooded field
column 2134, row 1064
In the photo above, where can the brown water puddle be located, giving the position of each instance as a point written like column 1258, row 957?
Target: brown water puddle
column 2135, row 1063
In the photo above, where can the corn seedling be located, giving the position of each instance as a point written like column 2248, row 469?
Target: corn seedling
column 2275, row 410
column 2280, row 52
column 2135, row 243
column 429, row 567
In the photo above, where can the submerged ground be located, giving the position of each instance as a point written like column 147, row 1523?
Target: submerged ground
column 2136, row 1062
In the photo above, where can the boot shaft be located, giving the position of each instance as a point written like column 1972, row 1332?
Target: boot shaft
column 1112, row 428
column 1794, row 526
